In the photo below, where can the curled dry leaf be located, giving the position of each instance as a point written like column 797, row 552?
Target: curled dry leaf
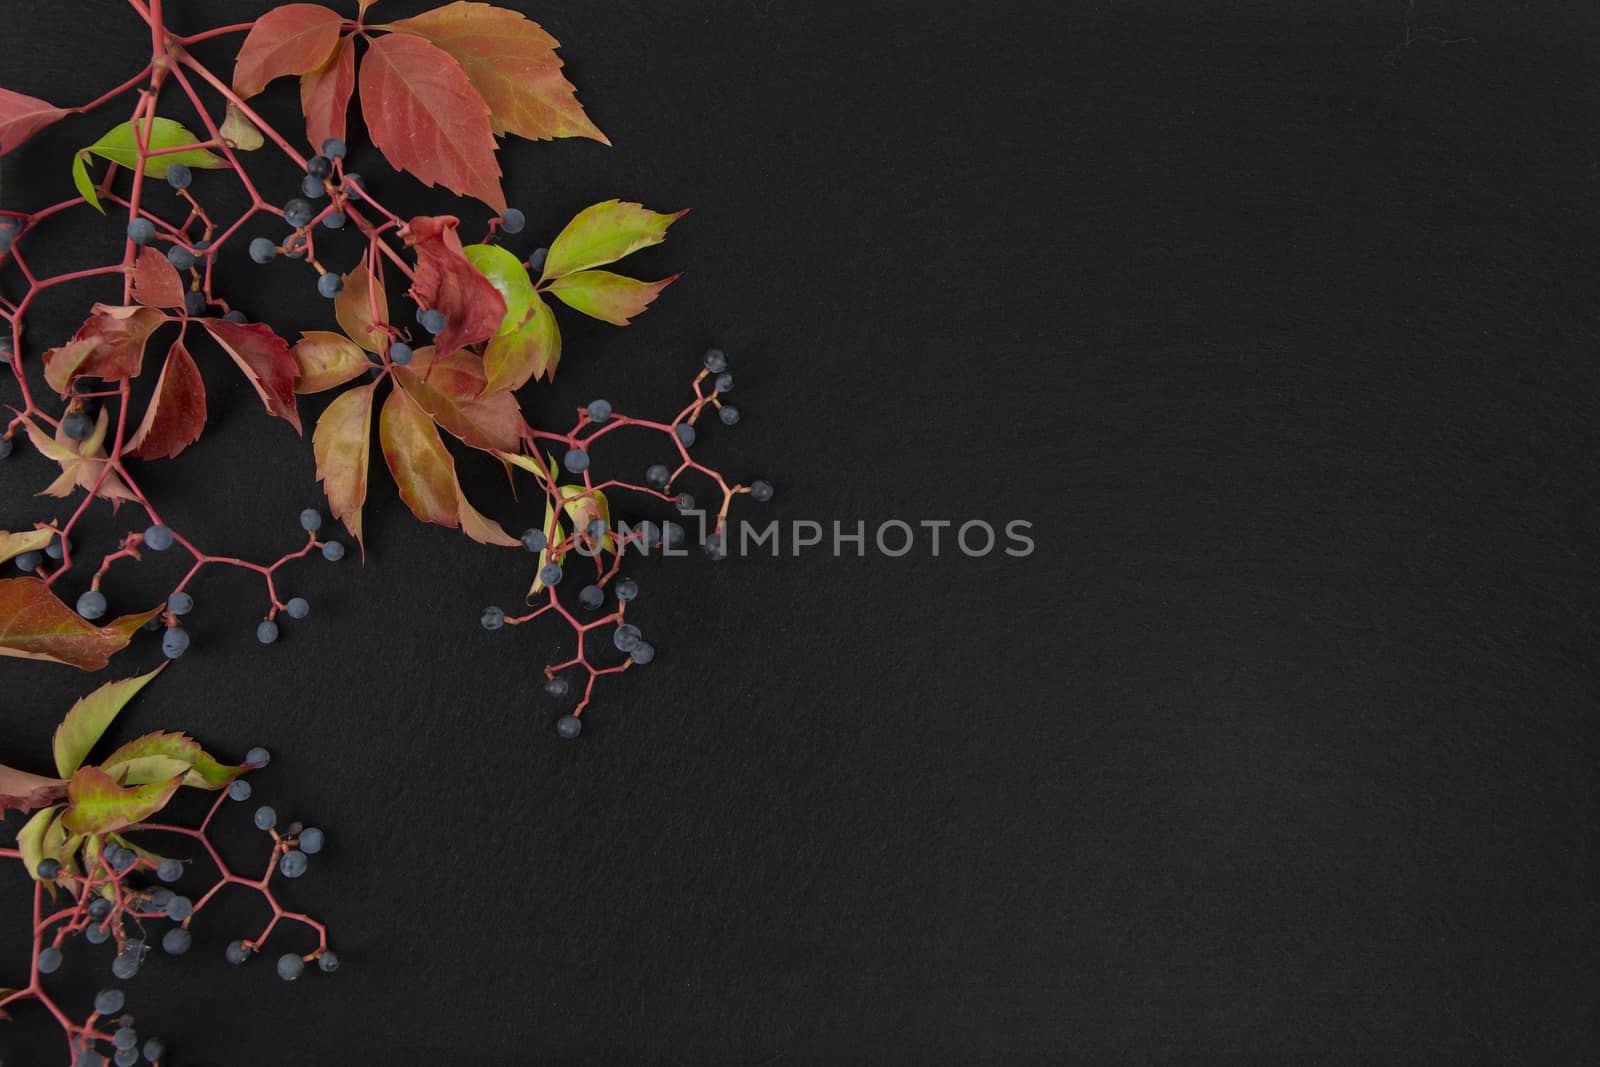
column 83, row 463
column 109, row 345
column 446, row 279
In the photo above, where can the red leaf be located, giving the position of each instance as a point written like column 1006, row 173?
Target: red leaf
column 156, row 282
column 513, row 64
column 325, row 95
column 445, row 279
column 292, row 39
column 177, row 411
column 23, row 116
column 266, row 361
column 450, row 389
column 343, row 445
column 35, row 625
column 425, row 117
column 110, row 344
column 25, row 791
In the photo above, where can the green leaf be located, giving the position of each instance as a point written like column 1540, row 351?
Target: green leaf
column 96, row 804
column 613, row 298
column 15, row 544
column 507, row 274
column 604, row 233
column 85, row 184
column 142, row 770
column 204, row 771
column 90, row 716
column 121, row 146
column 31, row 839
column 532, row 350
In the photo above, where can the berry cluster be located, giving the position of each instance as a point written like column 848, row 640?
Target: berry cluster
column 111, row 889
column 588, row 530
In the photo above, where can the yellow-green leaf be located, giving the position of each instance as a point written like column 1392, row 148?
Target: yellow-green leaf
column 85, row 184
column 604, row 233
column 96, row 804
column 90, row 717
column 532, row 350
column 239, row 131
column 507, row 274
column 31, row 838
column 609, row 297
column 15, row 544
column 204, row 770
column 121, row 146
column 142, row 770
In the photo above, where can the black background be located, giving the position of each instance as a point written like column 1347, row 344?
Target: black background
column 1277, row 320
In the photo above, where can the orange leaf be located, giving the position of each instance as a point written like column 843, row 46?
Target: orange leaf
column 600, row 294
column 513, row 64
column 446, row 279
column 35, row 625
column 343, row 443
column 82, row 462
column 264, row 357
column 451, row 390
column 425, row 117
column 327, row 359
column 23, row 116
column 177, row 412
column 325, row 95
column 156, row 282
column 292, row 39
column 422, row 468
column 355, row 305
column 110, row 344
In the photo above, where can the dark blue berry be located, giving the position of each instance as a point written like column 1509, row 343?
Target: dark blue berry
column 293, row 864
column 311, row 840
column 234, row 316
column 591, row 597
column 328, row 963
column 180, row 908
column 329, row 285
column 433, row 320
column 333, row 148
column 352, row 185
column 724, row 383
column 492, row 618
column 729, row 415
column 319, row 167
column 334, row 220
column 179, row 176
column 599, row 410
column 97, row 933
column 109, row 1001
column 262, row 250
column 717, row 546
column 92, row 604
column 312, row 188
column 290, row 966
column 685, row 434
column 265, row 817
column 158, row 538
column 658, row 475
column 176, row 941
column 236, row 952
column 194, row 302
column 400, row 353
column 154, row 1049
column 716, row 360
column 99, row 908
column 534, row 540
column 141, row 231
column 48, row 869
column 627, row 589
column 311, row 520
column 6, row 447
column 626, row 637
column 512, row 220
column 239, row 789
column 258, row 757
column 298, row 212
column 536, row 261
column 180, row 257
column 644, row 653
column 266, row 631
column 576, row 460
column 125, row 1057
column 77, row 425
column 333, row 551
column 557, row 688
column 569, row 727
column 175, row 642
column 125, row 966
column 550, row 574
column 169, row 870
column 297, row 607
column 685, row 503
column 761, row 491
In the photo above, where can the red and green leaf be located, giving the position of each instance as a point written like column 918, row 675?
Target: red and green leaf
column 426, row 118
column 609, row 297
column 23, row 116
column 292, row 39
column 96, row 804
column 205, row 772
column 89, row 718
column 34, row 624
column 110, row 345
column 513, row 65
column 445, row 279
column 532, row 349
column 604, row 233
column 265, row 359
column 326, row 359
column 177, row 412
column 451, row 389
column 343, row 443
column 325, row 94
